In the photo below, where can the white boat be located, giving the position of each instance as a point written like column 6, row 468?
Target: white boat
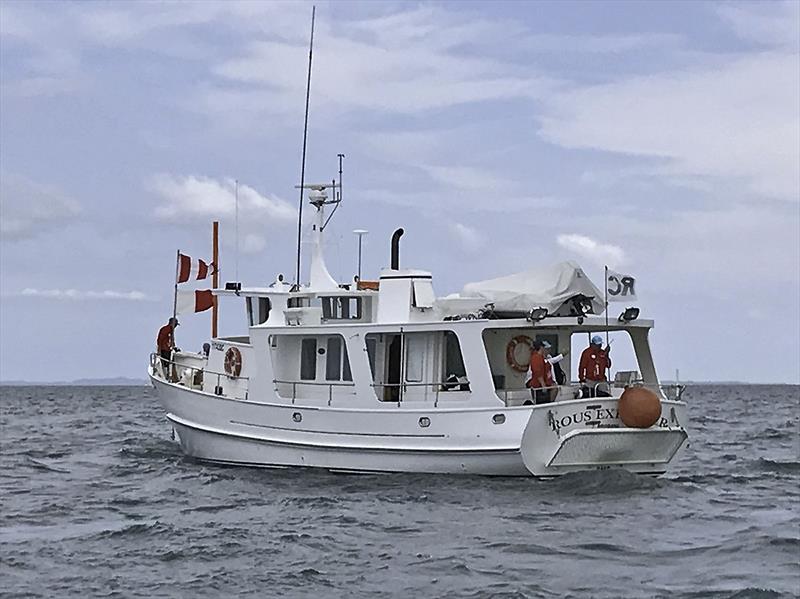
column 382, row 376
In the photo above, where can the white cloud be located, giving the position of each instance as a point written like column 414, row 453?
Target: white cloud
column 466, row 178
column 468, row 237
column 601, row 254
column 772, row 24
column 733, row 118
column 28, row 208
column 193, row 198
column 76, row 295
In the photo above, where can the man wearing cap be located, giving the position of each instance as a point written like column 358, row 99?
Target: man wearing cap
column 593, row 365
column 541, row 373
column 166, row 343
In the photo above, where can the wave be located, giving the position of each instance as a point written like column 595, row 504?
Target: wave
column 138, row 529
column 40, row 465
column 778, row 466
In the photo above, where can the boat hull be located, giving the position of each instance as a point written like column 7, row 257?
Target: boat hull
column 501, row 441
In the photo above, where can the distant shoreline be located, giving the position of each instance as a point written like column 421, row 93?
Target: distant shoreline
column 109, row 382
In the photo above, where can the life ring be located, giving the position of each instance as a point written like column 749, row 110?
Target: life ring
column 233, row 361
column 511, row 353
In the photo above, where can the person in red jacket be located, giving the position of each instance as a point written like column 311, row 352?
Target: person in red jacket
column 166, row 343
column 541, row 382
column 593, row 365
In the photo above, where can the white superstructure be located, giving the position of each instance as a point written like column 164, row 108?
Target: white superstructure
column 383, row 376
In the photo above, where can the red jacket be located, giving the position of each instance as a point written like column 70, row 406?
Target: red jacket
column 165, row 339
column 593, row 365
column 541, row 369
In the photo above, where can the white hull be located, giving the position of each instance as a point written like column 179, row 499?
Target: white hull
column 546, row 440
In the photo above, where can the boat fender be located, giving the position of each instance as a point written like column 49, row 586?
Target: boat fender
column 511, row 353
column 639, row 407
column 233, row 361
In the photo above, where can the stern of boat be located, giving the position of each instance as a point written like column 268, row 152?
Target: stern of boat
column 588, row 434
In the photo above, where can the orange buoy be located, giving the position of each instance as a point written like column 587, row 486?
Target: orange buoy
column 639, row 407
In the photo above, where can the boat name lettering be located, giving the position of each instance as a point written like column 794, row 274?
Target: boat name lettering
column 218, row 346
column 588, row 416
column 595, row 414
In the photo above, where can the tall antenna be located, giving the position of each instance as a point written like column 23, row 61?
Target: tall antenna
column 236, row 194
column 305, row 137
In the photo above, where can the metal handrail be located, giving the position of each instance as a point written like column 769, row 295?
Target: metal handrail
column 678, row 389
column 330, row 386
column 438, row 386
column 157, row 359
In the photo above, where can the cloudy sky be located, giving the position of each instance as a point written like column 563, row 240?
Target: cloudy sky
column 660, row 138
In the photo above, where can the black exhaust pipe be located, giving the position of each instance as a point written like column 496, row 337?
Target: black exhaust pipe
column 396, row 248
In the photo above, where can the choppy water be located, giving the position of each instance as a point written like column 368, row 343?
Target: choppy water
column 97, row 501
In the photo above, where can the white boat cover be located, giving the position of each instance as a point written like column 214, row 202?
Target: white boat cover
column 545, row 287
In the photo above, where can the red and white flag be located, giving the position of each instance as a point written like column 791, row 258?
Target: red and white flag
column 192, row 269
column 194, row 301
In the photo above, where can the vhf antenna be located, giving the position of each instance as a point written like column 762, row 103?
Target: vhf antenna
column 305, row 138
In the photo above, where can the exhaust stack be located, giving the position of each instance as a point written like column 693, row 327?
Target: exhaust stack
column 396, row 248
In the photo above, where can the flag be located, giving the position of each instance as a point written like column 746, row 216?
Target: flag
column 620, row 287
column 191, row 269
column 194, row 301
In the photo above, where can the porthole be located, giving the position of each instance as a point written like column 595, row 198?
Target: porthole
column 297, row 417
column 424, row 422
column 499, row 418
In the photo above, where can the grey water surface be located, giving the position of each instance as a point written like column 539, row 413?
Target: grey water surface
column 98, row 501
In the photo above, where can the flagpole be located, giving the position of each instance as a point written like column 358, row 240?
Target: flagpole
column 215, row 275
column 605, row 296
column 175, row 295
column 237, row 229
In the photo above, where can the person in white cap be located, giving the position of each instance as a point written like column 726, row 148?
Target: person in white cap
column 539, row 377
column 593, row 366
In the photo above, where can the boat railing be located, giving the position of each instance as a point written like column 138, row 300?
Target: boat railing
column 672, row 391
column 294, row 384
column 438, row 387
column 196, row 377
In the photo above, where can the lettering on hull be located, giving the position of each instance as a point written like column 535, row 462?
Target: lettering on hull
column 592, row 417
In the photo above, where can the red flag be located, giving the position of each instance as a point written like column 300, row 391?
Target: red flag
column 191, row 269
column 194, row 301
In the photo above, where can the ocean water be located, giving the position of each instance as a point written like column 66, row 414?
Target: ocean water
column 98, row 501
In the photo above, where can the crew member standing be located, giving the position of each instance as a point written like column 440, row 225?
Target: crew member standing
column 593, row 365
column 166, row 343
column 541, row 374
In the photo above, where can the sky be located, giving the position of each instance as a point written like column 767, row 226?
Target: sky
column 659, row 138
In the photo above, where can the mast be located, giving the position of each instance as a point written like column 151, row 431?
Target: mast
column 305, row 139
column 175, row 295
column 215, row 276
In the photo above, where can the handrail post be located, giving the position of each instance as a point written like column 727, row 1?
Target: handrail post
column 330, row 393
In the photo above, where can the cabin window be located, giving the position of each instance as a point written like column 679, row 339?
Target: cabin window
column 337, row 365
column 308, row 360
column 333, row 361
column 372, row 347
column 453, row 360
column 264, row 306
column 415, row 357
column 341, row 308
column 298, row 302
column 249, row 302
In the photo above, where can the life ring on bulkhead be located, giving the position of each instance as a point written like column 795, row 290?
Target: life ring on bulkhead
column 233, row 361
column 513, row 350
